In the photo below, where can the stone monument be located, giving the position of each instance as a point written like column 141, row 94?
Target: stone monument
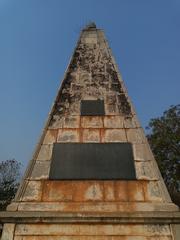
column 93, row 175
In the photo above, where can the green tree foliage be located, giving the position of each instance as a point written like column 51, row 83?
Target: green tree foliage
column 164, row 138
column 9, row 181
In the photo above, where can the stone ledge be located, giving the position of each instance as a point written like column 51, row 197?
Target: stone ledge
column 57, row 217
column 97, row 207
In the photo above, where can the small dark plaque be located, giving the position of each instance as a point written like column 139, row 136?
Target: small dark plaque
column 92, row 107
column 92, row 161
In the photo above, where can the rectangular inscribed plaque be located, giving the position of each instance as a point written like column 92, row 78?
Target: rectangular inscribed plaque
column 92, row 161
column 92, row 108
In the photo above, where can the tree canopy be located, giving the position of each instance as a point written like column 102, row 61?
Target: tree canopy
column 164, row 138
column 9, row 181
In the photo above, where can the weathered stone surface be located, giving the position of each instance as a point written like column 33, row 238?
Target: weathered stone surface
column 160, row 238
column 13, row 206
column 88, row 238
column 97, row 206
column 111, row 109
column 109, row 191
column 72, row 122
column 135, row 135
column 94, row 192
column 68, row 135
column 153, row 217
column 91, row 135
column 136, row 118
column 113, row 121
column 121, row 192
column 73, row 206
column 50, row 137
column 8, row 231
column 130, row 122
column 135, row 191
column 91, row 74
column 152, row 192
column 40, row 170
column 114, row 135
column 176, row 231
column 33, row 191
column 91, row 122
column 145, row 170
column 95, row 229
column 58, row 191
column 158, row 229
column 142, row 152
column 73, row 191
column 82, row 191
column 91, row 40
column 27, row 237
column 93, row 237
column 45, row 152
column 56, row 122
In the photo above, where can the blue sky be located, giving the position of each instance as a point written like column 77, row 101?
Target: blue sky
column 37, row 38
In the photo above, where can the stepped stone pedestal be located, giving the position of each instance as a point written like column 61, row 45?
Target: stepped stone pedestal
column 93, row 175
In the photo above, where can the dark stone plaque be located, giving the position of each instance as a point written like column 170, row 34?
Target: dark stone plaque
column 92, row 107
column 92, row 161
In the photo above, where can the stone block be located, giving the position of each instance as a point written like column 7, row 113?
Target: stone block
column 40, row 170
column 109, row 191
column 93, row 229
column 111, row 98
column 25, row 238
column 56, row 122
column 111, row 109
column 94, row 193
column 142, row 152
column 13, row 206
column 58, row 191
column 91, row 40
column 77, row 88
column 121, row 191
column 91, row 122
column 113, row 121
column 130, row 122
column 160, row 238
column 86, row 34
column 135, row 135
column 136, row 121
column 88, row 191
column 114, row 135
column 72, row 122
column 8, row 231
column 41, row 206
column 145, row 170
column 74, row 109
column 33, row 191
column 132, row 107
column 91, row 135
column 82, row 78
column 157, row 230
column 68, row 135
column 45, row 152
column 50, row 136
column 176, row 231
column 135, row 191
column 152, row 192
